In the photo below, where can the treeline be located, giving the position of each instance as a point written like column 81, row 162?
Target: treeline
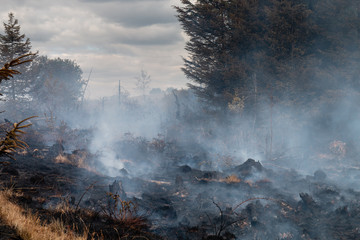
column 44, row 86
column 283, row 50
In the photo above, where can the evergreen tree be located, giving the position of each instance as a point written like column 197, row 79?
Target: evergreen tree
column 290, row 36
column 289, row 49
column 14, row 44
column 226, row 44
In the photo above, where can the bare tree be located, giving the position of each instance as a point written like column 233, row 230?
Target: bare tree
column 143, row 81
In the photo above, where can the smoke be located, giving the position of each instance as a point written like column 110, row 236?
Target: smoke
column 177, row 158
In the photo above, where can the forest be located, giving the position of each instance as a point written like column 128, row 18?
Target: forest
column 264, row 142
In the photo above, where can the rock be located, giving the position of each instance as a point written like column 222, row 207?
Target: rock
column 117, row 188
column 319, row 175
column 210, row 175
column 56, row 150
column 185, row 169
column 123, row 172
column 160, row 205
column 306, row 198
column 247, row 167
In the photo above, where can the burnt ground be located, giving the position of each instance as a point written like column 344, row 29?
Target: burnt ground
column 72, row 194
column 8, row 233
column 248, row 201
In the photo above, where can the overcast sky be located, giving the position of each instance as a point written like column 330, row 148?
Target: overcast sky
column 117, row 38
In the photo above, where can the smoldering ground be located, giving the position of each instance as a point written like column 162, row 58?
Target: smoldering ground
column 181, row 158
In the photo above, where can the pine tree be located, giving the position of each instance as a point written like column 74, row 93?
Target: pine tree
column 288, row 49
column 225, row 46
column 290, row 38
column 12, row 45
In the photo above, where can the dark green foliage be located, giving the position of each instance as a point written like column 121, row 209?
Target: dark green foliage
column 10, row 142
column 13, row 44
column 282, row 49
column 47, row 85
column 58, row 84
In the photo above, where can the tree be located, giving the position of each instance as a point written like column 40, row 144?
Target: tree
column 9, row 140
column 290, row 37
column 226, row 44
column 143, row 81
column 283, row 48
column 13, row 44
column 58, row 84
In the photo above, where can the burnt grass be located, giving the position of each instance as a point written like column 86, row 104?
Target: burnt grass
column 176, row 201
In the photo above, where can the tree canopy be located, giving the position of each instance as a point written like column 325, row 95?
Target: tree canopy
column 283, row 48
column 58, row 85
column 14, row 44
column 45, row 84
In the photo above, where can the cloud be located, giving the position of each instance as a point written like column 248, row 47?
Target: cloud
column 116, row 38
column 121, row 1
column 136, row 13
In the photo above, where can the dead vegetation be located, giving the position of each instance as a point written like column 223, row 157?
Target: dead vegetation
column 7, row 72
column 51, row 199
column 29, row 226
column 64, row 221
column 11, row 142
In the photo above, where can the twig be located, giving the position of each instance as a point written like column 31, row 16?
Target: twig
column 86, row 190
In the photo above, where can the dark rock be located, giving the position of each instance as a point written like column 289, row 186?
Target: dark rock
column 210, row 175
column 185, row 169
column 124, row 172
column 247, row 167
column 117, row 188
column 319, row 175
column 342, row 210
column 307, row 199
column 307, row 203
column 56, row 149
column 160, row 205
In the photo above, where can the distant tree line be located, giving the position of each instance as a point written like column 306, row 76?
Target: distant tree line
column 45, row 85
column 283, row 50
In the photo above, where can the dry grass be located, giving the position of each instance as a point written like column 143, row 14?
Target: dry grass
column 231, row 179
column 29, row 226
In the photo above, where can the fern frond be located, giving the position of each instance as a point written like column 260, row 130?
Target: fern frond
column 6, row 72
column 11, row 142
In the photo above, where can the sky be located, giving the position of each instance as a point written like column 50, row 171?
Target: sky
column 115, row 38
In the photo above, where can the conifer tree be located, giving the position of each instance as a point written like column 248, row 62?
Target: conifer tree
column 225, row 46
column 291, row 48
column 12, row 45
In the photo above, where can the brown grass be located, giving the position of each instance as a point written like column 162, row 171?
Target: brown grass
column 29, row 226
column 231, row 179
